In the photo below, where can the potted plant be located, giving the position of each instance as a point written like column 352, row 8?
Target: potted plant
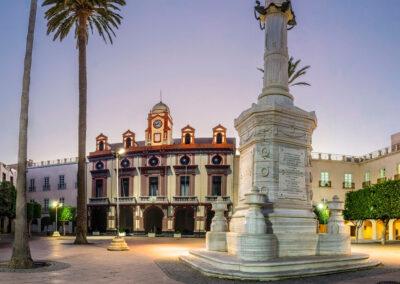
column 122, row 232
column 177, row 234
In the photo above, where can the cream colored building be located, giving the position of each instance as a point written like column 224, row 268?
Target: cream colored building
column 339, row 174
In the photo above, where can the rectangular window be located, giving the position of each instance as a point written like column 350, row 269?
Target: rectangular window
column 382, row 173
column 32, row 185
column 4, row 177
column 348, row 181
column 11, row 179
column 324, row 180
column 32, row 201
column 124, row 187
column 216, row 186
column 98, row 188
column 62, row 200
column 46, row 184
column 367, row 176
column 46, row 205
column 153, row 186
column 61, row 182
column 185, row 185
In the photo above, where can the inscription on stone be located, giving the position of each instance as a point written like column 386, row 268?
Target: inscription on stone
column 246, row 172
column 292, row 183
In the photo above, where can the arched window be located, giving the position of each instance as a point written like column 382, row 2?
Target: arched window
column 128, row 142
column 188, row 138
column 101, row 146
column 219, row 138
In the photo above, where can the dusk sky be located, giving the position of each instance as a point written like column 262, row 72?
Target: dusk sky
column 203, row 55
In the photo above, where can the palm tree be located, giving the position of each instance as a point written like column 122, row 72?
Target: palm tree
column 295, row 74
column 99, row 15
column 21, row 254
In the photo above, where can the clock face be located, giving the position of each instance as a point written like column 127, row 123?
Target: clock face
column 99, row 165
column 157, row 123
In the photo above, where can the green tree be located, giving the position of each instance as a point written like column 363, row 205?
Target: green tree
column 64, row 214
column 33, row 211
column 358, row 207
column 294, row 73
column 386, row 203
column 7, row 200
column 100, row 15
column 21, row 254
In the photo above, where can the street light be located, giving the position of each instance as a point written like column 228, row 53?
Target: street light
column 56, row 205
column 118, row 243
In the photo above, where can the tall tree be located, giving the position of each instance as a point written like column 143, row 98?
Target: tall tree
column 21, row 254
column 100, row 15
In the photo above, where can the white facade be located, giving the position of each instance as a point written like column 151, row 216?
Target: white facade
column 8, row 173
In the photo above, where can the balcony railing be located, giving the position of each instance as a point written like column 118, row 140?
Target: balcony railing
column 214, row 198
column 153, row 199
column 397, row 177
column 323, row 183
column 185, row 199
column 125, row 200
column 381, row 180
column 32, row 188
column 99, row 201
column 349, row 185
column 62, row 186
column 366, row 184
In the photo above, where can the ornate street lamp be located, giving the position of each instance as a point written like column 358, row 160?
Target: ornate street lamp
column 118, row 243
column 260, row 12
column 56, row 205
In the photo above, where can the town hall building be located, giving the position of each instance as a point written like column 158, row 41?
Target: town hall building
column 166, row 184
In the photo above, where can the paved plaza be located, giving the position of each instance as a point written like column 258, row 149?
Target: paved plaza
column 155, row 260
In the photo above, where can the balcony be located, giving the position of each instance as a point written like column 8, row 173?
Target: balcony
column 185, row 199
column 323, row 183
column 128, row 200
column 397, row 177
column 99, row 201
column 210, row 199
column 32, row 188
column 62, row 186
column 366, row 184
column 46, row 187
column 381, row 180
column 153, row 199
column 349, row 185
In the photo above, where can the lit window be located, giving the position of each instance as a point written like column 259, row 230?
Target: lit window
column 382, row 173
column 367, row 176
column 348, row 180
column 324, row 176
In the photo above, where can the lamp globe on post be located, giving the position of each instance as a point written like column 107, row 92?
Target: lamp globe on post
column 118, row 242
column 55, row 205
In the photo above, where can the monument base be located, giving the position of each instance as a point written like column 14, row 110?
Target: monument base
column 331, row 244
column 118, row 244
column 223, row 265
column 252, row 247
column 216, row 241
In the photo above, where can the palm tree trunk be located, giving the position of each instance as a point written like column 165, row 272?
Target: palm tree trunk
column 21, row 255
column 81, row 222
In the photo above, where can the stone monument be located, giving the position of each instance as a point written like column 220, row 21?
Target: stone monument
column 216, row 238
column 273, row 231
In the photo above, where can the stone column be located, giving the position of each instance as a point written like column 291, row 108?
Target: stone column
column 337, row 240
column 390, row 229
column 216, row 238
column 278, row 13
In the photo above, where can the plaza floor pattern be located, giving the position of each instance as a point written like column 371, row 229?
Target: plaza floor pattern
column 155, row 260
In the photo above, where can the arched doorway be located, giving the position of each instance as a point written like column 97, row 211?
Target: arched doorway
column 153, row 220
column 367, row 230
column 98, row 218
column 209, row 216
column 184, row 220
column 126, row 218
column 396, row 230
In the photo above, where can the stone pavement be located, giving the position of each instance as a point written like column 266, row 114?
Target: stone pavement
column 156, row 261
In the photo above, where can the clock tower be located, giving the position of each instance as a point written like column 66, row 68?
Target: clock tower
column 159, row 126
